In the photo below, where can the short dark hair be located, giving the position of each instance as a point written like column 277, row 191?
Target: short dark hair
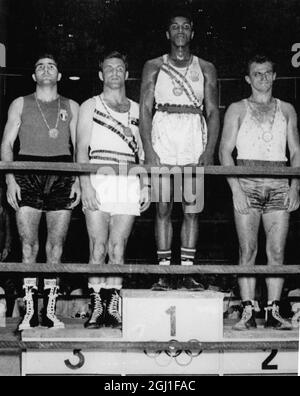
column 259, row 58
column 114, row 54
column 179, row 12
column 46, row 55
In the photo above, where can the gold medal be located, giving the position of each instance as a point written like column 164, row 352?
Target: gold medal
column 177, row 91
column 53, row 133
column 267, row 137
column 127, row 132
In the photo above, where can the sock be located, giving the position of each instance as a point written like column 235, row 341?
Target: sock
column 30, row 282
column 187, row 256
column 97, row 287
column 116, row 287
column 164, row 257
column 49, row 283
column 274, row 302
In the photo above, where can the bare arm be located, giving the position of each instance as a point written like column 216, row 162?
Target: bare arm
column 150, row 73
column 212, row 111
column 84, row 133
column 73, row 124
column 294, row 149
column 75, row 191
column 9, row 137
column 228, row 143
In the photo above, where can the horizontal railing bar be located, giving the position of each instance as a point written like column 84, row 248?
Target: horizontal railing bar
column 122, row 346
column 147, row 269
column 105, row 168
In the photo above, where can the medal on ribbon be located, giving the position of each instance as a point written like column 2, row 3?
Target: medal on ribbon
column 53, row 133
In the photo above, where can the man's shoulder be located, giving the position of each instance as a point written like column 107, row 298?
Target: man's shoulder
column 89, row 103
column 73, row 104
column 206, row 66
column 154, row 64
column 18, row 103
column 134, row 108
column 236, row 108
column 286, row 105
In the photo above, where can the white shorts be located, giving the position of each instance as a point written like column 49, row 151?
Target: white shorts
column 117, row 195
column 179, row 139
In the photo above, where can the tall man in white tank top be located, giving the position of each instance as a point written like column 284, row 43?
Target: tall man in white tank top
column 261, row 128
column 108, row 133
column 45, row 124
column 179, row 84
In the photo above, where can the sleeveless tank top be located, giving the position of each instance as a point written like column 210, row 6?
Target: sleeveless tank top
column 34, row 136
column 256, row 141
column 190, row 77
column 109, row 142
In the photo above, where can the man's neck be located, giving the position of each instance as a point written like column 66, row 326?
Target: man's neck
column 180, row 53
column 47, row 94
column 261, row 98
column 115, row 96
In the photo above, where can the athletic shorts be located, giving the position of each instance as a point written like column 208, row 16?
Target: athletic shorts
column 179, row 139
column 45, row 191
column 265, row 194
column 117, row 195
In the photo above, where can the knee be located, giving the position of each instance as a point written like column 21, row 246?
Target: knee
column 164, row 211
column 116, row 251
column 54, row 243
column 30, row 248
column 248, row 252
column 29, row 243
column 97, row 250
column 191, row 217
column 275, row 254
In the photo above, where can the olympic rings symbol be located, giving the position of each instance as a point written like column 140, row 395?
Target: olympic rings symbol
column 183, row 358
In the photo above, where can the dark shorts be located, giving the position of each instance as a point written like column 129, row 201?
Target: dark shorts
column 265, row 194
column 43, row 190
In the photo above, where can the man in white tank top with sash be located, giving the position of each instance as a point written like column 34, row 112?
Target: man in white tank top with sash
column 179, row 85
column 108, row 133
column 261, row 128
column 45, row 123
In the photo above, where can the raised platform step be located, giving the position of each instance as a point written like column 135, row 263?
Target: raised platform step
column 74, row 331
column 67, row 360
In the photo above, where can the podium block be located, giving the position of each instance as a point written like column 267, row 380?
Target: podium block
column 180, row 315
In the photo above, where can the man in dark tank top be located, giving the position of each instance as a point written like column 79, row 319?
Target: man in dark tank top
column 45, row 123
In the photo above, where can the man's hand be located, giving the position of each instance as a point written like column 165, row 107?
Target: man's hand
column 89, row 199
column 292, row 200
column 145, row 199
column 5, row 252
column 206, row 159
column 75, row 193
column 241, row 202
column 13, row 194
column 152, row 159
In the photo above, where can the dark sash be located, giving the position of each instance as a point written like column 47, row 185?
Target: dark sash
column 181, row 80
column 118, row 130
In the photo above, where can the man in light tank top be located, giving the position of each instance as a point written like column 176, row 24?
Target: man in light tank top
column 45, row 124
column 108, row 133
column 179, row 85
column 261, row 128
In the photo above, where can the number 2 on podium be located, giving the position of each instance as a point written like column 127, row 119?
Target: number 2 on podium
column 172, row 312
